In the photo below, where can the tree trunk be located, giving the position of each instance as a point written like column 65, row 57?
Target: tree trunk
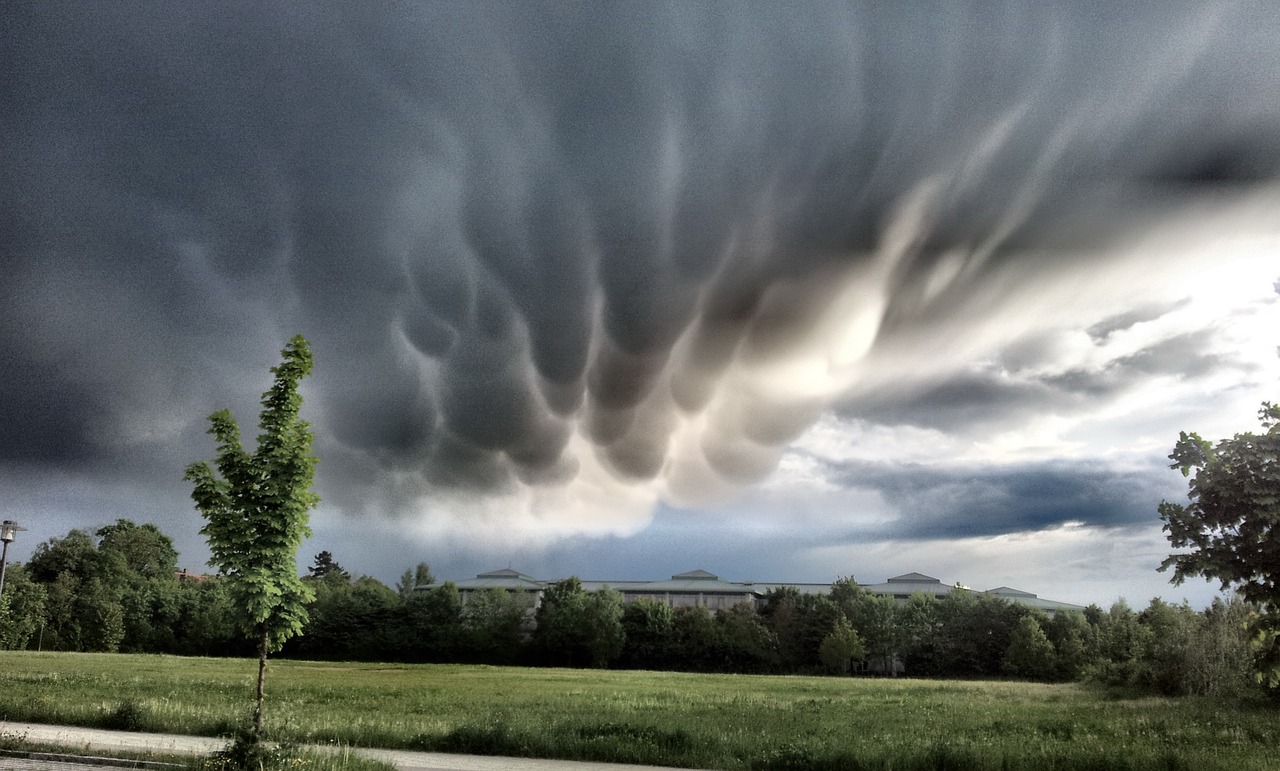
column 262, row 675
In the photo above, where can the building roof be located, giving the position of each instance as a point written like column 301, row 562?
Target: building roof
column 914, row 578
column 620, row 586
column 1027, row 598
column 761, row 588
column 505, row 573
column 508, row 579
column 910, row 583
column 696, row 575
column 704, row 582
column 1006, row 591
column 695, row 581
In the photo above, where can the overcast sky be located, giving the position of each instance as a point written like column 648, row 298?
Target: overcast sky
column 784, row 291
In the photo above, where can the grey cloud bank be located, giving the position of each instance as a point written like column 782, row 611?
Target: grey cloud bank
column 561, row 262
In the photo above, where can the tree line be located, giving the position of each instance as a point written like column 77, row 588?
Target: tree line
column 118, row 589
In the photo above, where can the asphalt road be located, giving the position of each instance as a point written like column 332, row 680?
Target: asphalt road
column 96, row 740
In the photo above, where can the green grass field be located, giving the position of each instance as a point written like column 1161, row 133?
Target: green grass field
column 701, row 721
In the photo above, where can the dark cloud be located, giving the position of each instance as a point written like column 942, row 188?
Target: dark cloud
column 46, row 418
column 1103, row 330
column 1190, row 355
column 935, row 503
column 1011, row 391
column 504, row 226
column 960, row 403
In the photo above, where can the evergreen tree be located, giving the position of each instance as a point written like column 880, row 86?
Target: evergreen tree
column 324, row 566
column 412, row 579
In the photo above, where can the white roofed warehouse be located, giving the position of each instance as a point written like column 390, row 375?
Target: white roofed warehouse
column 702, row 589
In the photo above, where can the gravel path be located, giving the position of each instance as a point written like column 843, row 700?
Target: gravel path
column 90, row 740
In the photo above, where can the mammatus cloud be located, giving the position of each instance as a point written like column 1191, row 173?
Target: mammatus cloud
column 561, row 262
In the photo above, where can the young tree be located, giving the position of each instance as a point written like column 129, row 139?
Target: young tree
column 602, row 626
column 255, row 507
column 920, row 629
column 21, row 609
column 876, row 620
column 1072, row 638
column 1219, row 661
column 1030, row 654
column 841, row 646
column 412, row 579
column 649, row 629
column 1170, row 629
column 559, row 636
column 1231, row 527
column 1122, row 641
column 430, row 625
column 744, row 642
column 493, row 621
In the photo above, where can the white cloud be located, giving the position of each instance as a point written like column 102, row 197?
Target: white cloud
column 1070, row 563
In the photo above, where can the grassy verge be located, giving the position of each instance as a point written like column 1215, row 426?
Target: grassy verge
column 702, row 721
column 250, row 756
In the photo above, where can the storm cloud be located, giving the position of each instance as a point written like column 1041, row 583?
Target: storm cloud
column 577, row 258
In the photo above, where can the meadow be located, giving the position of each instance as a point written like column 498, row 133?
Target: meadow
column 700, row 721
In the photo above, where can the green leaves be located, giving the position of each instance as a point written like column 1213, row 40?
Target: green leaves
column 841, row 646
column 256, row 505
column 1230, row 528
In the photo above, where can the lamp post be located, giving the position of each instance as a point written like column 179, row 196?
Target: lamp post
column 8, row 530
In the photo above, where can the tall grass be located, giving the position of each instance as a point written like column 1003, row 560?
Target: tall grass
column 703, row 721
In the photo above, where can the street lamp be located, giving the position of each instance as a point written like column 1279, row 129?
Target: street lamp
column 8, row 529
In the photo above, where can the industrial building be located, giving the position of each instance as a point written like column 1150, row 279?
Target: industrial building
column 699, row 588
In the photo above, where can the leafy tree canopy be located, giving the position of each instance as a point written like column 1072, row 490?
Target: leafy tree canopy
column 1231, row 527
column 255, row 505
column 841, row 646
column 256, row 510
column 146, row 550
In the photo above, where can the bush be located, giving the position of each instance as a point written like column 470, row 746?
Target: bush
column 128, row 715
column 244, row 753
